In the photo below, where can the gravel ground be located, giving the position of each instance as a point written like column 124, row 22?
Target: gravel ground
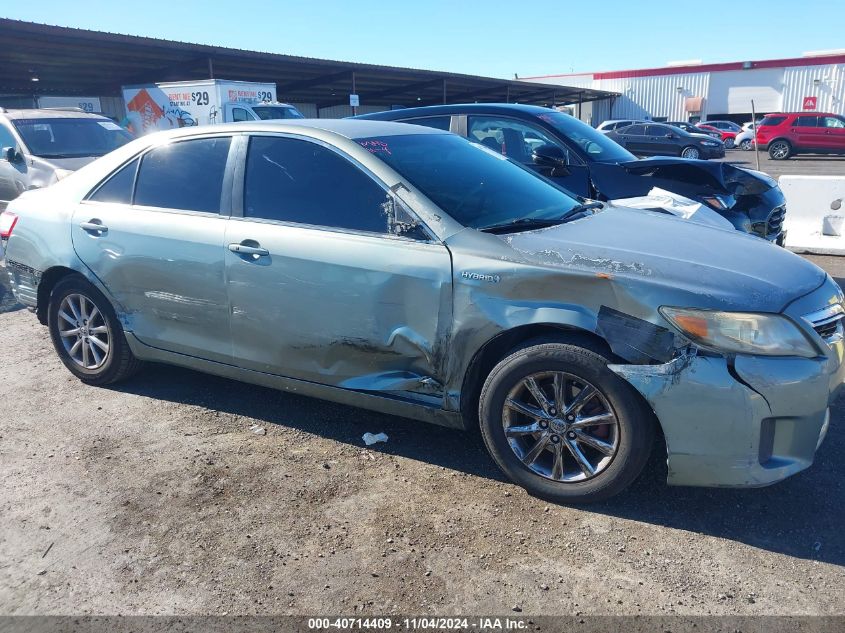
column 179, row 493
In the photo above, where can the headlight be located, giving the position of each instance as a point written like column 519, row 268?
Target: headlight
column 741, row 332
column 719, row 203
column 710, row 143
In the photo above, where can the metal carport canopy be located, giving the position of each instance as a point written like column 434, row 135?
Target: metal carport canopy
column 68, row 61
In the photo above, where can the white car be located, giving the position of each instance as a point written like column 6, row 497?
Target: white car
column 745, row 139
column 612, row 124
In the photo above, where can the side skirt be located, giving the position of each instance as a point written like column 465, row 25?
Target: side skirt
column 381, row 403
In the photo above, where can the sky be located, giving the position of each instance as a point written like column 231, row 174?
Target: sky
column 493, row 38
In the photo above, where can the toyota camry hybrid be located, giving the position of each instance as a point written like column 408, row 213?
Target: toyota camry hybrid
column 406, row 270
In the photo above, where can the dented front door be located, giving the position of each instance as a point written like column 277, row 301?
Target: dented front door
column 339, row 308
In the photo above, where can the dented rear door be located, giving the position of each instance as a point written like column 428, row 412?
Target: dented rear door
column 320, row 290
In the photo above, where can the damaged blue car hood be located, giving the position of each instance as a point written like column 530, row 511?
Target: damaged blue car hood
column 724, row 269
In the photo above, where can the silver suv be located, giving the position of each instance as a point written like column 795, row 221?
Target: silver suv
column 39, row 147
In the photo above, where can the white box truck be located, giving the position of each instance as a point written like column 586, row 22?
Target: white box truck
column 163, row 106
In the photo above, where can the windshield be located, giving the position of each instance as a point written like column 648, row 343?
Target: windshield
column 71, row 138
column 596, row 145
column 474, row 185
column 265, row 113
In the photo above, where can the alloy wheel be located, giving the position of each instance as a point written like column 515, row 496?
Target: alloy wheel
column 780, row 150
column 745, row 145
column 560, row 426
column 690, row 152
column 84, row 332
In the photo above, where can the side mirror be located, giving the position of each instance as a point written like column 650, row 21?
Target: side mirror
column 551, row 157
column 670, row 135
column 11, row 154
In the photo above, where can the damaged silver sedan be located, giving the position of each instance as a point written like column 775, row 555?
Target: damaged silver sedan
column 405, row 270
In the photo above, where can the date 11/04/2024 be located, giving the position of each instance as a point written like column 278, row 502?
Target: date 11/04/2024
column 418, row 624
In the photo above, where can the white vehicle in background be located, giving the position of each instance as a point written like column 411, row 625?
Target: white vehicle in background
column 745, row 139
column 612, row 124
column 164, row 106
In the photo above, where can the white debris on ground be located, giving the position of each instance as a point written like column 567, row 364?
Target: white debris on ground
column 258, row 429
column 370, row 439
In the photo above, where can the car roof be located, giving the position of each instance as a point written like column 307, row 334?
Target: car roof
column 50, row 113
column 806, row 112
column 349, row 128
column 486, row 108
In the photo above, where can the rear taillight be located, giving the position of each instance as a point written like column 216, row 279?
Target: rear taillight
column 7, row 224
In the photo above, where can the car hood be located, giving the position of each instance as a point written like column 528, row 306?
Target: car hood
column 686, row 176
column 699, row 265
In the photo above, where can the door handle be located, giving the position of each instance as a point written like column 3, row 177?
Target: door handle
column 243, row 249
column 94, row 226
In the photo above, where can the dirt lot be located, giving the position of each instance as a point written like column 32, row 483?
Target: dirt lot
column 160, row 497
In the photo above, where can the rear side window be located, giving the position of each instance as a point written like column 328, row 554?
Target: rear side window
column 806, row 121
column 186, row 175
column 290, row 180
column 437, row 122
column 773, row 120
column 118, row 188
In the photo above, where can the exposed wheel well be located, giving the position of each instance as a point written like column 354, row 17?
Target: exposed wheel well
column 48, row 281
column 502, row 344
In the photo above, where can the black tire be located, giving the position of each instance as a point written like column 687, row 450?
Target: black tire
column 729, row 143
column 634, row 421
column 117, row 362
column 780, row 149
column 747, row 145
column 690, row 150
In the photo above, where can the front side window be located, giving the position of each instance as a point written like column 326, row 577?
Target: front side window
column 633, row 130
column 71, row 138
column 832, row 121
column 239, row 114
column 658, row 130
column 475, row 185
column 511, row 138
column 185, row 175
column 806, row 121
column 119, row 187
column 292, row 180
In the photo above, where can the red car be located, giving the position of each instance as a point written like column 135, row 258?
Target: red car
column 786, row 134
column 727, row 130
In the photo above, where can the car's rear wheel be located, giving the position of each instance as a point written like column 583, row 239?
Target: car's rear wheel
column 86, row 333
column 690, row 152
column 729, row 143
column 562, row 425
column 780, row 150
column 746, row 144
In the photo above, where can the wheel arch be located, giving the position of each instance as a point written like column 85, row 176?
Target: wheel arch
column 49, row 279
column 500, row 345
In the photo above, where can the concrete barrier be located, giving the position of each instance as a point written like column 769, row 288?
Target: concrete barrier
column 815, row 214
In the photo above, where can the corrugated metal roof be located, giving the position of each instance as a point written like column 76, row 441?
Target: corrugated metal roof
column 78, row 61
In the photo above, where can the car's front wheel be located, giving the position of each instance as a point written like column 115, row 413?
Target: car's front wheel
column 86, row 333
column 690, row 152
column 780, row 150
column 746, row 145
column 562, row 425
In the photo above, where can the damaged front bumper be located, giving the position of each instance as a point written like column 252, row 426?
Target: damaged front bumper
column 748, row 422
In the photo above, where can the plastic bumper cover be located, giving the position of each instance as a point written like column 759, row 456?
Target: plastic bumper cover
column 749, row 425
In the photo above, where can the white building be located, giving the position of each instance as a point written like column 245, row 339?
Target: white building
column 694, row 91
